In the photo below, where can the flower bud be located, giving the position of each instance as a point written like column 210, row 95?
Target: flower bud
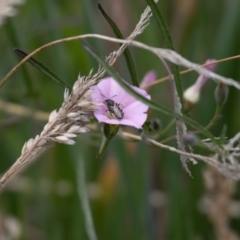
column 192, row 94
column 110, row 130
column 190, row 139
column 155, row 124
column 221, row 93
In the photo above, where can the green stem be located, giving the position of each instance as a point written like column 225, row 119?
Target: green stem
column 109, row 132
column 167, row 128
column 212, row 122
column 214, row 119
column 103, row 148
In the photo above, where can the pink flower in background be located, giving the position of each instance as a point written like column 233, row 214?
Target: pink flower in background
column 192, row 94
column 148, row 78
column 119, row 107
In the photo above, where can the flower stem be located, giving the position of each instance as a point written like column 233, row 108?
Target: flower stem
column 215, row 117
column 167, row 128
column 109, row 132
column 103, row 148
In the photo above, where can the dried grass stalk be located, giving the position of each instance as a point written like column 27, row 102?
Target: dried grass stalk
column 226, row 159
column 76, row 111
column 217, row 202
column 181, row 129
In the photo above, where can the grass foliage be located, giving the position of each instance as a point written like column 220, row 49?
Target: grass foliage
column 135, row 191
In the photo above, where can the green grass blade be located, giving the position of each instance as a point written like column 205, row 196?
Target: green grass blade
column 14, row 38
column 126, row 53
column 41, row 68
column 150, row 103
column 163, row 26
column 84, row 199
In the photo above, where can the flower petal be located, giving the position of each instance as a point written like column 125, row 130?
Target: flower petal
column 136, row 107
column 104, row 86
column 96, row 95
column 103, row 118
column 148, row 78
column 136, row 120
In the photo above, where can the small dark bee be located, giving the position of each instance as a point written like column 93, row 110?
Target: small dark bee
column 114, row 108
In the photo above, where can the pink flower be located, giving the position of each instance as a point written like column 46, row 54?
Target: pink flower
column 118, row 106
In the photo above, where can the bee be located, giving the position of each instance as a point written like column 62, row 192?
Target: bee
column 114, row 108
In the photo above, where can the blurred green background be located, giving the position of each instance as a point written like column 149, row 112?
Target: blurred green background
column 135, row 191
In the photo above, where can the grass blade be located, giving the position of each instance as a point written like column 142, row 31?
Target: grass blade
column 126, row 53
column 41, row 68
column 14, row 38
column 163, row 26
column 84, row 199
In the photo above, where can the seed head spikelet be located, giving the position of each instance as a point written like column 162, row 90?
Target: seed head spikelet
column 62, row 126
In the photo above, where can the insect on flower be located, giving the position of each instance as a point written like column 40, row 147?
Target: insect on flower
column 119, row 107
column 113, row 107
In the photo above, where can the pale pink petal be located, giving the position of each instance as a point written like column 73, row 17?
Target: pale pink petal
column 202, row 79
column 135, row 107
column 104, row 86
column 101, row 110
column 136, row 120
column 148, row 78
column 212, row 66
column 114, row 90
column 103, row 118
column 96, row 95
column 128, row 99
column 121, row 95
